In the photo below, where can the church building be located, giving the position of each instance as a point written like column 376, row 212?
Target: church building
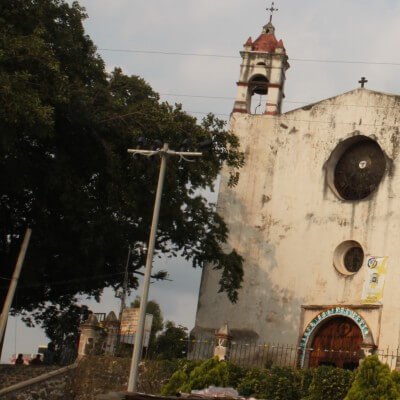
column 315, row 215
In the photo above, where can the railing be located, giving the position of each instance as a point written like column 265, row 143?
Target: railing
column 267, row 355
column 100, row 316
column 263, row 355
column 390, row 357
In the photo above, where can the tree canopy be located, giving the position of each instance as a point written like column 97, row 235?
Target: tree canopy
column 171, row 343
column 66, row 125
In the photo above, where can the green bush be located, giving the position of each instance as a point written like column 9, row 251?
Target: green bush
column 179, row 378
column 374, row 381
column 305, row 378
column 290, row 384
column 214, row 372
column 329, row 383
column 396, row 378
column 209, row 372
column 283, row 383
column 253, row 383
column 276, row 383
column 153, row 374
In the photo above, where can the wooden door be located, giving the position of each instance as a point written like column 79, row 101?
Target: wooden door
column 337, row 343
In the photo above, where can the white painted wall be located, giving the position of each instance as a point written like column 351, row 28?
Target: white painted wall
column 286, row 222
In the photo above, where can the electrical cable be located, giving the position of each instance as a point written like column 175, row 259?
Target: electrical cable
column 311, row 60
column 15, row 324
column 62, row 282
column 310, row 102
column 283, row 119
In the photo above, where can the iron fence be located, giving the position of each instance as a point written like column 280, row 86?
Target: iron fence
column 390, row 357
column 248, row 354
column 263, row 355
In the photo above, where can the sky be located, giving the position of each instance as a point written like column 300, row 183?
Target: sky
column 364, row 34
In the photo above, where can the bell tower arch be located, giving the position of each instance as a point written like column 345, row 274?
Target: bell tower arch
column 262, row 71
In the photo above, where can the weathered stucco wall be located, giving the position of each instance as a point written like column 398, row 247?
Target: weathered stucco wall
column 286, row 222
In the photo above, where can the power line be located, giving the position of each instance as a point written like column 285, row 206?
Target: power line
column 282, row 116
column 169, row 53
column 284, row 101
column 225, row 56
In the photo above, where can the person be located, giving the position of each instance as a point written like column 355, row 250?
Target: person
column 19, row 360
column 49, row 354
column 36, row 361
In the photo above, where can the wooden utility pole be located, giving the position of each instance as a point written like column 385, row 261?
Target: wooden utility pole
column 13, row 285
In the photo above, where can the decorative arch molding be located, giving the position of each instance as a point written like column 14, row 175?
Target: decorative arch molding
column 322, row 317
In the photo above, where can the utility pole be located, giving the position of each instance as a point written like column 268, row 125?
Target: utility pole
column 124, row 291
column 164, row 153
column 13, row 284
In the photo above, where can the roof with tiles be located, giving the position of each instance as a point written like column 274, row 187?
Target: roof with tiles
column 266, row 42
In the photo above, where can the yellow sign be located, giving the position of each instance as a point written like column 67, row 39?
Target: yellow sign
column 374, row 279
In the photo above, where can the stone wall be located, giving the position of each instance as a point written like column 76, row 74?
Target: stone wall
column 98, row 375
column 93, row 376
column 36, row 383
column 12, row 374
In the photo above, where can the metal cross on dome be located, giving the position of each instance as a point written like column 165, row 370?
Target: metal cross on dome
column 271, row 10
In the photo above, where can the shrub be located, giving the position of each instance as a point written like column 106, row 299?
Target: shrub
column 253, row 383
column 329, row 383
column 154, row 374
column 179, row 378
column 201, row 376
column 305, row 379
column 214, row 372
column 276, row 383
column 283, row 383
column 373, row 380
column 396, row 378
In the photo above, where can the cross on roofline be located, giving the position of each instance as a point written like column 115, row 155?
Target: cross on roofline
column 362, row 81
column 271, row 10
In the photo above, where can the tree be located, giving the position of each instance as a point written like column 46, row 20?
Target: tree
column 62, row 325
column 172, row 342
column 373, row 381
column 65, row 129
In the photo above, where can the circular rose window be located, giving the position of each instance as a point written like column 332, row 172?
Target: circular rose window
column 348, row 257
column 359, row 168
column 353, row 258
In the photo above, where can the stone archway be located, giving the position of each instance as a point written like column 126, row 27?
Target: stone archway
column 335, row 337
column 337, row 343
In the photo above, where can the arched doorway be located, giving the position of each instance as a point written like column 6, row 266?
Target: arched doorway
column 337, row 342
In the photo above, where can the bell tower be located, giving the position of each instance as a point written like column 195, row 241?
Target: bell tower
column 262, row 72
